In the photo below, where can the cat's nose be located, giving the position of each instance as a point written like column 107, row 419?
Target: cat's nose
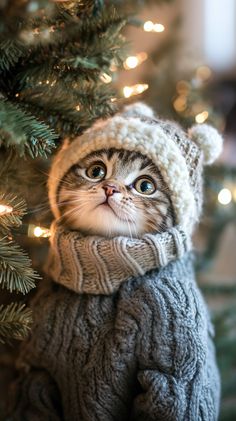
column 110, row 189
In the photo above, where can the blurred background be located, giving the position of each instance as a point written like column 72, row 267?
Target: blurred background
column 64, row 64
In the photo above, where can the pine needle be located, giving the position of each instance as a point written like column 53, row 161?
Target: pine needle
column 23, row 132
column 13, row 218
column 16, row 273
column 15, row 322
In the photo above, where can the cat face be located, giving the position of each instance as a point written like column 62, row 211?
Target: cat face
column 115, row 192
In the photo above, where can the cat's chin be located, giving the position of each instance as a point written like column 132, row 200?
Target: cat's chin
column 104, row 222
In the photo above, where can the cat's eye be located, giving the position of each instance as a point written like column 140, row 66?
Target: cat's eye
column 145, row 185
column 96, row 171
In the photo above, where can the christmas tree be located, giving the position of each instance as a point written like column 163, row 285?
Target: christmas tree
column 54, row 64
column 55, row 60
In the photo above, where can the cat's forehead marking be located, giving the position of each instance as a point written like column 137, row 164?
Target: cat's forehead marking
column 121, row 164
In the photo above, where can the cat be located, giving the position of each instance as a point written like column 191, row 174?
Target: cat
column 121, row 331
column 115, row 192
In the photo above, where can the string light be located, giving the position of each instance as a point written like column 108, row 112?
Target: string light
column 105, row 78
column 113, row 67
column 203, row 73
column 202, row 117
column 158, row 27
column 5, row 209
column 225, row 196
column 137, row 89
column 183, row 87
column 180, row 104
column 77, row 107
column 234, row 193
column 134, row 61
column 36, row 231
column 149, row 26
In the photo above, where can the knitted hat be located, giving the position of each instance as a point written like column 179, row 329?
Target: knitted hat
column 179, row 156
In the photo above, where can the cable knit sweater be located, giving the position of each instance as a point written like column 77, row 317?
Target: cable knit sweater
column 142, row 351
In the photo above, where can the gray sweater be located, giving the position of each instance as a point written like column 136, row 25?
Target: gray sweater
column 143, row 352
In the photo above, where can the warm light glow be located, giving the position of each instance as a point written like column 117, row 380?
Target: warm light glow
column 183, row 87
column 149, row 26
column 180, row 104
column 133, row 61
column 41, row 232
column 158, row 27
column 113, row 67
column 129, row 91
column 77, row 107
column 225, row 197
column 113, row 99
column 38, row 232
column 105, row 78
column 202, row 117
column 203, row 72
column 234, row 194
column 4, row 209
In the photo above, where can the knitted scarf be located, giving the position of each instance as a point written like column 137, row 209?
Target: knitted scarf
column 99, row 265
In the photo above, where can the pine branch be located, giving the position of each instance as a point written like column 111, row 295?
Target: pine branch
column 21, row 131
column 71, row 111
column 16, row 273
column 10, row 52
column 14, row 14
column 13, row 218
column 15, row 322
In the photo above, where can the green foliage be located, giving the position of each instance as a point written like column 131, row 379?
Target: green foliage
column 133, row 6
column 10, row 52
column 58, row 61
column 16, row 271
column 15, row 322
column 13, row 218
column 53, row 57
column 22, row 132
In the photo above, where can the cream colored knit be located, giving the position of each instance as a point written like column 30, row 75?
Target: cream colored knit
column 98, row 265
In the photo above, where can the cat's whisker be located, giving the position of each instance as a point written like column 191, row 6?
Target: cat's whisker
column 130, row 232
column 138, row 213
column 65, row 214
column 53, row 177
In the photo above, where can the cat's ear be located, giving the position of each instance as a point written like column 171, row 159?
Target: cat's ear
column 138, row 109
column 208, row 140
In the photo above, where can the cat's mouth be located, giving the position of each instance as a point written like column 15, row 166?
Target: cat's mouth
column 107, row 205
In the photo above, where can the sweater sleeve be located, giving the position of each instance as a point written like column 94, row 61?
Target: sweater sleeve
column 177, row 375
column 36, row 398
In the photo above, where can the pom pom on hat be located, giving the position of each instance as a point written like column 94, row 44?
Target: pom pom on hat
column 208, row 140
column 138, row 109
